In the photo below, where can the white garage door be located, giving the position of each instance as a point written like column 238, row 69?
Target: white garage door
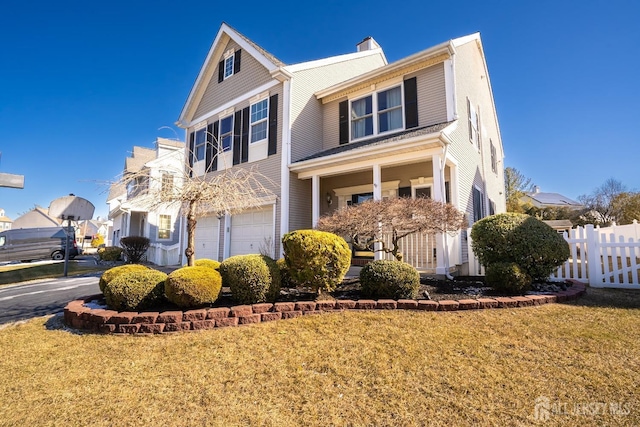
column 252, row 232
column 207, row 237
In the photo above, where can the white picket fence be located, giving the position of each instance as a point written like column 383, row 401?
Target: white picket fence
column 604, row 257
column 160, row 254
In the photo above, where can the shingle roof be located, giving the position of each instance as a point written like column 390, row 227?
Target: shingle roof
column 268, row 55
column 411, row 133
column 141, row 155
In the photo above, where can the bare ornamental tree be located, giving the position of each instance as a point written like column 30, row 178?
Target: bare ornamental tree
column 397, row 218
column 229, row 191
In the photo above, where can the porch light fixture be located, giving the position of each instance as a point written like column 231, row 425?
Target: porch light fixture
column 329, row 199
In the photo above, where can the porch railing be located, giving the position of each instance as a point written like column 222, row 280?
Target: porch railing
column 418, row 249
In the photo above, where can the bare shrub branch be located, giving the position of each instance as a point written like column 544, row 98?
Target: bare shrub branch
column 369, row 222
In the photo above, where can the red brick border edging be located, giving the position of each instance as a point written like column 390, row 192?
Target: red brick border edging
column 77, row 315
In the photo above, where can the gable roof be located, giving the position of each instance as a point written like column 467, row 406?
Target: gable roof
column 225, row 33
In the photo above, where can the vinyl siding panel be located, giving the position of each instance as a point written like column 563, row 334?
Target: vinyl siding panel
column 252, row 74
column 300, row 203
column 432, row 97
column 306, row 109
column 474, row 166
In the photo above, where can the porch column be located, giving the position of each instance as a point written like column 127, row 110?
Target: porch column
column 315, row 199
column 438, row 185
column 377, row 195
column 438, row 196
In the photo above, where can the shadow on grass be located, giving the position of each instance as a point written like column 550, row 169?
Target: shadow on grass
column 56, row 323
column 614, row 298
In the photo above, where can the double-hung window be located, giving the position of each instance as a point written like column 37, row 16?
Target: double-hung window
column 226, row 133
column 390, row 110
column 167, row 183
column 201, row 140
column 377, row 113
column 228, row 66
column 164, row 227
column 494, row 159
column 473, row 125
column 362, row 117
column 259, row 120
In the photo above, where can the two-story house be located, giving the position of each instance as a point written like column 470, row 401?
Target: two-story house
column 336, row 131
column 128, row 208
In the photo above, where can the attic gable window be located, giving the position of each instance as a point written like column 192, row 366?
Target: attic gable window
column 229, row 65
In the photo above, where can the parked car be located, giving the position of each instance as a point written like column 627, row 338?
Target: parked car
column 27, row 244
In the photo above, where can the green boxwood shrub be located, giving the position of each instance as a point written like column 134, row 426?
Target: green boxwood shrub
column 510, row 237
column 135, row 290
column 193, row 286
column 210, row 263
column 389, row 279
column 110, row 253
column 114, row 272
column 316, row 258
column 285, row 278
column 507, row 277
column 251, row 278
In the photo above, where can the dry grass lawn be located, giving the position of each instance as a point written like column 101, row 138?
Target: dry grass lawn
column 397, row 368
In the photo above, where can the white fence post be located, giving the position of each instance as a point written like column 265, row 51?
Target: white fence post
column 594, row 263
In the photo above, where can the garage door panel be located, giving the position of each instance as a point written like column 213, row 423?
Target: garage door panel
column 206, row 238
column 251, row 231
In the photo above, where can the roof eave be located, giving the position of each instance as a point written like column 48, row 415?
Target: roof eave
column 443, row 48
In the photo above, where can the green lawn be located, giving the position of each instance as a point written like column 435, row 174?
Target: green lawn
column 395, row 368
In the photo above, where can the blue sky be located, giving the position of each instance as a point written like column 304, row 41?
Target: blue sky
column 82, row 82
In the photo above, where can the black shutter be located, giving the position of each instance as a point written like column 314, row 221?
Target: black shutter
column 221, row 71
column 236, row 61
column 192, row 142
column 215, row 146
column 209, row 148
column 244, row 152
column 410, row 103
column 343, row 109
column 273, row 124
column 237, row 125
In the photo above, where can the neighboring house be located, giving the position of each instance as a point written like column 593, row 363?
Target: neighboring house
column 130, row 216
column 86, row 230
column 5, row 222
column 37, row 217
column 549, row 200
column 336, row 131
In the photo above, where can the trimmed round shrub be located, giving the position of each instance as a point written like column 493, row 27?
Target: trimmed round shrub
column 209, row 263
column 316, row 258
column 390, row 279
column 135, row 290
column 252, row 278
column 530, row 243
column 110, row 253
column 114, row 272
column 285, row 278
column 507, row 277
column 193, row 286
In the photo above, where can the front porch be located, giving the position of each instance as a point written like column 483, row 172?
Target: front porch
column 422, row 173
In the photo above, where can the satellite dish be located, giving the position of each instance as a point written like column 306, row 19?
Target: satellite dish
column 71, row 207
